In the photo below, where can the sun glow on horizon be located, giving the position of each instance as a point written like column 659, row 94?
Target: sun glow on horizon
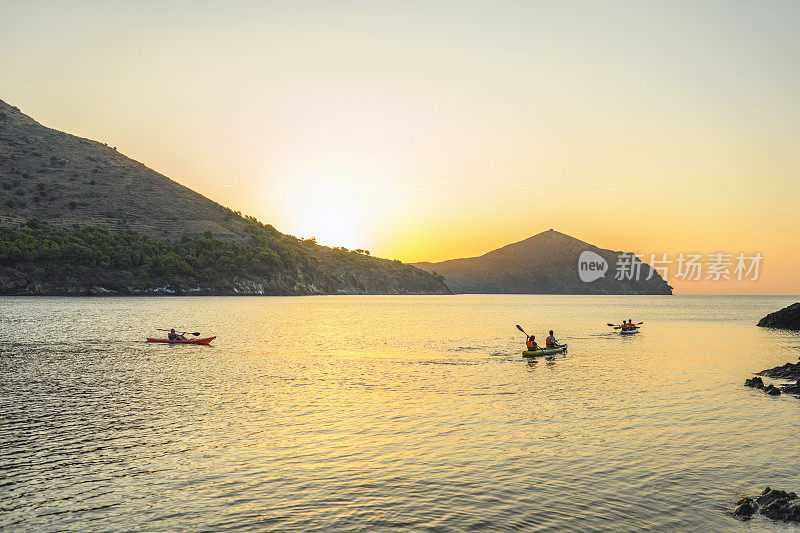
column 333, row 202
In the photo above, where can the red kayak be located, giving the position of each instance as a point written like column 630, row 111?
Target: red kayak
column 187, row 341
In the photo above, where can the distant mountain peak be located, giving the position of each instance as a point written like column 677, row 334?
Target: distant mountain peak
column 546, row 263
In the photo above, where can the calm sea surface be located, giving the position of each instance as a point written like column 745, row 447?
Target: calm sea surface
column 390, row 413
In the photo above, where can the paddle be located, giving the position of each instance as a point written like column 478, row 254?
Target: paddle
column 196, row 333
column 617, row 327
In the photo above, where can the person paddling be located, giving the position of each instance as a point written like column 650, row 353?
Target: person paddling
column 630, row 325
column 174, row 336
column 551, row 342
column 624, row 325
column 531, row 343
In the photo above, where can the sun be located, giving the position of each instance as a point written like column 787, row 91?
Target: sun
column 332, row 216
column 339, row 207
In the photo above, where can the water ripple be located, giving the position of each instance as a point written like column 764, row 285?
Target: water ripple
column 423, row 428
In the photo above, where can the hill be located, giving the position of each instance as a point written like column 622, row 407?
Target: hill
column 65, row 180
column 546, row 263
column 78, row 217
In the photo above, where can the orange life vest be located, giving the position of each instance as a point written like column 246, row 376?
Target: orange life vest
column 549, row 342
column 530, row 344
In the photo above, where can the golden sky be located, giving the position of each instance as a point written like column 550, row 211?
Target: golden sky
column 433, row 130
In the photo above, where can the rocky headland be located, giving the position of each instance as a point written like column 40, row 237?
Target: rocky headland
column 786, row 318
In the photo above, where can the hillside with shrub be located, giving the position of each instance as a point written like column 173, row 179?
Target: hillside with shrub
column 77, row 217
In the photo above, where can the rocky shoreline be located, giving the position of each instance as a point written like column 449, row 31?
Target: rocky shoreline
column 788, row 371
column 81, row 281
column 786, row 318
column 774, row 504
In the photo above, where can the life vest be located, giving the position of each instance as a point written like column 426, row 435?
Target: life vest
column 530, row 344
column 549, row 342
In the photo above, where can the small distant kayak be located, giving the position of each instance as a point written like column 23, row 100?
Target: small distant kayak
column 544, row 351
column 187, row 341
column 628, row 331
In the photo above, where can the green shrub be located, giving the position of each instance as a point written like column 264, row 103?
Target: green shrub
column 199, row 258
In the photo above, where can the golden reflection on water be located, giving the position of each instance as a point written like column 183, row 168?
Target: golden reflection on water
column 389, row 412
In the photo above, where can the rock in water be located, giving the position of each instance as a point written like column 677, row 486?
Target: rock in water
column 745, row 508
column 787, row 371
column 774, row 504
column 769, row 495
column 792, row 389
column 786, row 318
column 755, row 382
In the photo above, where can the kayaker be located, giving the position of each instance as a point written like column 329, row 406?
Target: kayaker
column 551, row 342
column 531, row 343
column 630, row 324
column 624, row 325
column 174, row 336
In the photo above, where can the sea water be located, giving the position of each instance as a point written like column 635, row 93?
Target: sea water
column 390, row 413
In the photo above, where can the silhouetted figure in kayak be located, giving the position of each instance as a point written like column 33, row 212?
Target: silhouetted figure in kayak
column 551, row 342
column 624, row 325
column 531, row 343
column 174, row 336
column 630, row 325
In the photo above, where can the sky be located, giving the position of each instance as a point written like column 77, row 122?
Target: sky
column 425, row 131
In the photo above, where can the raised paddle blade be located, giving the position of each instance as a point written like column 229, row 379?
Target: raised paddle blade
column 520, row 328
column 196, row 334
